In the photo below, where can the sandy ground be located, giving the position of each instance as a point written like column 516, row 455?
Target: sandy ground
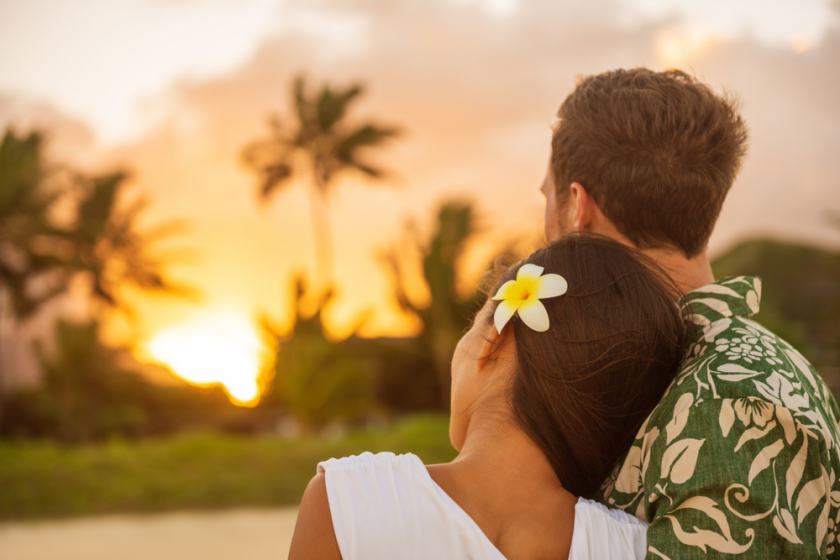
column 235, row 534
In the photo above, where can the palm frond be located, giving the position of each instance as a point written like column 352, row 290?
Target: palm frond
column 274, row 177
column 370, row 171
column 98, row 204
column 367, row 135
column 21, row 170
column 332, row 105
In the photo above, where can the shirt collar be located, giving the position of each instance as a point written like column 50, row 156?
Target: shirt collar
column 729, row 297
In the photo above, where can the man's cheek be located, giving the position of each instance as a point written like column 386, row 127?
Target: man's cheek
column 554, row 226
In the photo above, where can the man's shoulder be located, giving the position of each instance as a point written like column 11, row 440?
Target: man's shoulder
column 738, row 358
column 746, row 418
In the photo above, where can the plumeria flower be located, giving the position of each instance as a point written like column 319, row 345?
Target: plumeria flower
column 524, row 295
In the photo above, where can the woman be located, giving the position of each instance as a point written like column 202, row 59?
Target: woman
column 549, row 388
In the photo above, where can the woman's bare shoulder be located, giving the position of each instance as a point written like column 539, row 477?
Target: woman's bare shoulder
column 314, row 537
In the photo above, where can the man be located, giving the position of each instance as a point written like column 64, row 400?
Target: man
column 740, row 457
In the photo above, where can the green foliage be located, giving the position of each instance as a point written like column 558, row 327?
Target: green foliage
column 316, row 380
column 92, row 393
column 189, row 472
column 447, row 315
column 38, row 254
column 26, row 228
column 800, row 298
column 108, row 246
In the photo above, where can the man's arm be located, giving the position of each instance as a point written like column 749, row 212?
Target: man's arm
column 736, row 476
column 314, row 537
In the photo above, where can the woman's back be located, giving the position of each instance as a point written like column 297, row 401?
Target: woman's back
column 388, row 506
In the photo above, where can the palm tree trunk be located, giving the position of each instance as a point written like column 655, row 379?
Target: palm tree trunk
column 323, row 239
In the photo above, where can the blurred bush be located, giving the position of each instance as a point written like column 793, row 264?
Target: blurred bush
column 196, row 471
column 316, row 381
column 800, row 298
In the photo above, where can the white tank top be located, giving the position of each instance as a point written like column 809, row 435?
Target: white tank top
column 387, row 507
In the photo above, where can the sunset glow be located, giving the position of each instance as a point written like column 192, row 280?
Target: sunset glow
column 678, row 47
column 220, row 349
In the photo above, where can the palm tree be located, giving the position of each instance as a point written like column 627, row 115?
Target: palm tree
column 320, row 145
column 447, row 313
column 110, row 249
column 38, row 255
column 29, row 276
column 26, row 228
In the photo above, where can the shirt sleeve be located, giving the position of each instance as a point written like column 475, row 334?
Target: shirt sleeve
column 736, row 476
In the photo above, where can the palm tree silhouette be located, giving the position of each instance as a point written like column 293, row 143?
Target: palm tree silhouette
column 445, row 316
column 109, row 247
column 38, row 255
column 319, row 144
column 26, row 203
column 28, row 276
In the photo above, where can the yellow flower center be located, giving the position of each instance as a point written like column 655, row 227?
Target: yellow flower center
column 527, row 287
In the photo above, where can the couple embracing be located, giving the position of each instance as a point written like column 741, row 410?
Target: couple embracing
column 611, row 399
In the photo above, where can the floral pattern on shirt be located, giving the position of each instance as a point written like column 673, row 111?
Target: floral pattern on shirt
column 742, row 454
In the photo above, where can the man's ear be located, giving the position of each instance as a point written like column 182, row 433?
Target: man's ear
column 583, row 208
column 586, row 215
column 496, row 347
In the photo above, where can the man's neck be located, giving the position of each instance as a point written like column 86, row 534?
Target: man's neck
column 687, row 274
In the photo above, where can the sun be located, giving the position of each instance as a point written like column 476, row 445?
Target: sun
column 220, row 348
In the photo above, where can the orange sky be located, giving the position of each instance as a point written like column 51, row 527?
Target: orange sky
column 173, row 89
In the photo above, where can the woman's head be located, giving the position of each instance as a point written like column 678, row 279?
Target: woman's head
column 581, row 389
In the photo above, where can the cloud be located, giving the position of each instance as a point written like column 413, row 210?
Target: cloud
column 97, row 59
column 799, row 24
column 68, row 139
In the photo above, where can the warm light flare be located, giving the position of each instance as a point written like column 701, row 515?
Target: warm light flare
column 221, row 349
column 679, row 47
column 799, row 43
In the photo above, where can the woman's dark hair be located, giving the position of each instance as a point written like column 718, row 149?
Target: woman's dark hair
column 583, row 388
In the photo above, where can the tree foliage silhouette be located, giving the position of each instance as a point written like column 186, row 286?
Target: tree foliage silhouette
column 319, row 144
column 40, row 253
column 317, row 380
column 447, row 313
column 109, row 246
column 26, row 230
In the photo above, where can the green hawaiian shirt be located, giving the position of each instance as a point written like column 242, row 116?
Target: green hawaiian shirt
column 740, row 457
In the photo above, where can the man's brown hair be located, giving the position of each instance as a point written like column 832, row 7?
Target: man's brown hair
column 657, row 151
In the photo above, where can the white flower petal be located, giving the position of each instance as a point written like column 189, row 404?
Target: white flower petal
column 533, row 314
column 504, row 312
column 551, row 285
column 529, row 270
column 507, row 290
